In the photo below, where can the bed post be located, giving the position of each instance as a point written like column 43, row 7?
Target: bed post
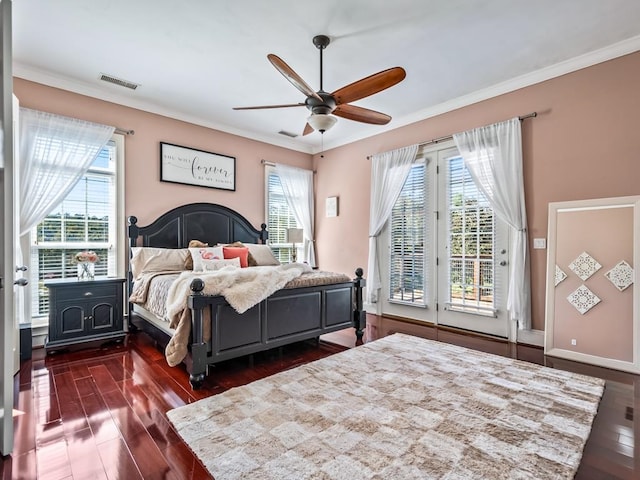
column 359, row 314
column 264, row 234
column 198, row 347
column 133, row 240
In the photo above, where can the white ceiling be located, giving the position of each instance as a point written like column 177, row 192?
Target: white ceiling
column 196, row 59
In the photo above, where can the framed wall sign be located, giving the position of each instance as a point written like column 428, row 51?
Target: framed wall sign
column 331, row 206
column 191, row 166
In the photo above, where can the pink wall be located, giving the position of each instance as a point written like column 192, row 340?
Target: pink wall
column 583, row 144
column 145, row 195
column 606, row 330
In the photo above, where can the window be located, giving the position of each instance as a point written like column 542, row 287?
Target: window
column 407, row 282
column 279, row 218
column 89, row 218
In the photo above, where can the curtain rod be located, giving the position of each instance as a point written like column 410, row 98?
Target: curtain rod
column 122, row 131
column 450, row 137
column 271, row 164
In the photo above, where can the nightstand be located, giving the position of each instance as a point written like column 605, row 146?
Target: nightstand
column 82, row 312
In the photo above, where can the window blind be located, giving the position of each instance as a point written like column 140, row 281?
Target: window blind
column 408, row 228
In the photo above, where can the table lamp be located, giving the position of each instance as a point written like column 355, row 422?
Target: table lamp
column 294, row 235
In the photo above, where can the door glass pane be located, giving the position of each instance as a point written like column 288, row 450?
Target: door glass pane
column 471, row 239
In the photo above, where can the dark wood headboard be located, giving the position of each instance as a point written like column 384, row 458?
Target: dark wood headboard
column 206, row 222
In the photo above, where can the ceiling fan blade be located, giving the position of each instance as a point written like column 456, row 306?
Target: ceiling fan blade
column 307, row 130
column 360, row 114
column 292, row 76
column 270, row 106
column 369, row 85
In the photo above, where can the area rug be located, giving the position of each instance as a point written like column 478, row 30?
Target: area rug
column 401, row 407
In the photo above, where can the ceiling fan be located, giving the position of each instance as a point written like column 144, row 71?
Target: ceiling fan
column 322, row 104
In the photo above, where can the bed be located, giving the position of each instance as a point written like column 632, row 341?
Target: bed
column 303, row 309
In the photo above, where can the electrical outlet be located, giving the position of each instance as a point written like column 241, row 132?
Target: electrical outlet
column 574, row 342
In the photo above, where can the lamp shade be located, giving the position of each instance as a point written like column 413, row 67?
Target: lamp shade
column 320, row 122
column 294, row 235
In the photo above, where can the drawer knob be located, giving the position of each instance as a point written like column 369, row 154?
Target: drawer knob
column 88, row 294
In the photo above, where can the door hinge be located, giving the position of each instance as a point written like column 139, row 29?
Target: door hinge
column 437, row 261
column 437, row 169
column 437, row 215
column 436, row 306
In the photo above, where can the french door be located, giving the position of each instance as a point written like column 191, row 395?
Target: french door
column 445, row 253
column 472, row 268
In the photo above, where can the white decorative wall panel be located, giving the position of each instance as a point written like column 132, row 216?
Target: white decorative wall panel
column 584, row 266
column 560, row 275
column 621, row 275
column 583, row 299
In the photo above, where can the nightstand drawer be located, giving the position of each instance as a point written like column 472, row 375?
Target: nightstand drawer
column 85, row 291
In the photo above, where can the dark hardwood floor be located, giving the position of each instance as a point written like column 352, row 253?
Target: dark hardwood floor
column 101, row 413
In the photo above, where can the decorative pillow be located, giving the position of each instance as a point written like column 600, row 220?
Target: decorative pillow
column 251, row 262
column 212, row 265
column 152, row 259
column 199, row 255
column 188, row 263
column 262, row 254
column 237, row 252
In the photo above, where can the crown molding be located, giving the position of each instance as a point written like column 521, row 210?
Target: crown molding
column 595, row 57
column 610, row 52
column 47, row 78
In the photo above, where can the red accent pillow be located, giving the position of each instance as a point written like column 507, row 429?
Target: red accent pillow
column 241, row 252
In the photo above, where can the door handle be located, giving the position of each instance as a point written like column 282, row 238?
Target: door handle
column 503, row 263
column 21, row 282
column 23, row 268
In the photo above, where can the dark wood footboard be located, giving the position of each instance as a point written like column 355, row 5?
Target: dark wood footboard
column 287, row 316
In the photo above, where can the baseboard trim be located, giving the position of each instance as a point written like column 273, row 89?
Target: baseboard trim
column 531, row 337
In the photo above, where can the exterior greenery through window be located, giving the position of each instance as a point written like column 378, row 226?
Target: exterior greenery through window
column 84, row 220
column 408, row 232
column 279, row 218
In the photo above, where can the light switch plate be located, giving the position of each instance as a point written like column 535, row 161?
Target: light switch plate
column 539, row 243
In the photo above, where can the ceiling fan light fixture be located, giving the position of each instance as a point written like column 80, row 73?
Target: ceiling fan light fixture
column 321, row 122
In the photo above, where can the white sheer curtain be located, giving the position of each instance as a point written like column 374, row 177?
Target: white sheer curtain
column 389, row 171
column 55, row 152
column 493, row 155
column 297, row 186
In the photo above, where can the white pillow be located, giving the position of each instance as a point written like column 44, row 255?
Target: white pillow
column 213, row 265
column 152, row 259
column 200, row 254
column 262, row 254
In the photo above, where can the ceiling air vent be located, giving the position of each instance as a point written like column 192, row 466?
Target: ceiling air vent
column 288, row 134
column 118, row 81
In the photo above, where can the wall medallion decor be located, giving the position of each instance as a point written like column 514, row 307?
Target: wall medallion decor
column 560, row 275
column 621, row 275
column 583, row 299
column 196, row 167
column 584, row 266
